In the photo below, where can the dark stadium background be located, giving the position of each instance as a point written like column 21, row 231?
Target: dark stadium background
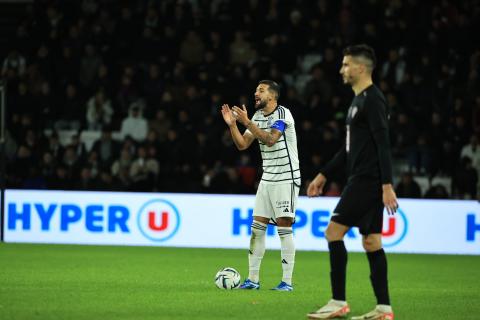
column 176, row 62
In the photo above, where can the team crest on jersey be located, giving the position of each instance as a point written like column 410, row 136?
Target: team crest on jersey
column 270, row 121
column 352, row 111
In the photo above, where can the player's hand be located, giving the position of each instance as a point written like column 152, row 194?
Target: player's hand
column 228, row 115
column 315, row 188
column 241, row 114
column 389, row 199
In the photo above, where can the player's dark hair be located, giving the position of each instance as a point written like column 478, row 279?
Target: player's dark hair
column 362, row 51
column 272, row 87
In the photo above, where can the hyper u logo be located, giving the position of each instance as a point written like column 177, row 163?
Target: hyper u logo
column 158, row 220
column 394, row 228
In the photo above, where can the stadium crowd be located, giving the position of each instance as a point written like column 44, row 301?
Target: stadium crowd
column 151, row 77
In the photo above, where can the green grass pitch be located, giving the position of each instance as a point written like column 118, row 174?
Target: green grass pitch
column 99, row 282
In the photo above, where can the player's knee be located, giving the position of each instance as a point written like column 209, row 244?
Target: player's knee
column 331, row 234
column 258, row 229
column 371, row 244
column 284, row 222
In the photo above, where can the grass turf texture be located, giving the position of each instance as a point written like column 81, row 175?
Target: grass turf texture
column 99, row 282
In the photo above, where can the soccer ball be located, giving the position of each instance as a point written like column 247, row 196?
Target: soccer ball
column 227, row 278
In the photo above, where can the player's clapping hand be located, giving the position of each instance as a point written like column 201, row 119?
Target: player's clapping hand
column 315, row 188
column 241, row 114
column 390, row 199
column 228, row 115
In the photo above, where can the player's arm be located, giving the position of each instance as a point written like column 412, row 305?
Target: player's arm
column 339, row 160
column 267, row 137
column 241, row 141
column 377, row 121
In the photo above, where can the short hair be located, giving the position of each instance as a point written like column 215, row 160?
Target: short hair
column 364, row 52
column 272, row 87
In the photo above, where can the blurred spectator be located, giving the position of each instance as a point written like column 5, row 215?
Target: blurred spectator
column 89, row 65
column 47, row 106
column 14, row 65
column 105, row 181
column 106, row 148
column 318, row 85
column 435, row 135
column 144, row 170
column 192, row 48
column 153, row 89
column 61, row 180
column 103, row 80
column 126, row 93
column 247, row 171
column 67, row 66
column 93, row 163
column 419, row 156
column 476, row 112
column 71, row 162
column 99, row 111
column 393, row 69
column 72, row 111
column 54, row 147
column 472, row 151
column 408, row 187
column 86, row 181
column 23, row 101
column 160, row 124
column 465, row 180
column 134, row 125
column 122, row 163
column 404, row 136
column 44, row 62
column 436, row 192
column 47, row 166
column 78, row 146
column 241, row 51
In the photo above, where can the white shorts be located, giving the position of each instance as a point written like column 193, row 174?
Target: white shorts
column 276, row 200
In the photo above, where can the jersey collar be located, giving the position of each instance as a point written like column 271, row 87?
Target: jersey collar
column 266, row 115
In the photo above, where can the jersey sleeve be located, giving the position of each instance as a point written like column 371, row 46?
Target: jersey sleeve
column 287, row 118
column 376, row 110
column 339, row 160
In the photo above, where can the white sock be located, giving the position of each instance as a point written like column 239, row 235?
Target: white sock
column 257, row 250
column 384, row 308
column 339, row 302
column 288, row 253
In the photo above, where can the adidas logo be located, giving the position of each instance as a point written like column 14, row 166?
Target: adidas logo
column 284, row 261
column 286, row 210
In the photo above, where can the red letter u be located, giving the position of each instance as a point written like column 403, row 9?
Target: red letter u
column 391, row 228
column 151, row 221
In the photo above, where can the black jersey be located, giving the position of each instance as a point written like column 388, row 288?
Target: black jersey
column 366, row 152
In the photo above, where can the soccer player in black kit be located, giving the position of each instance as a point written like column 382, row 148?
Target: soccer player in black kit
column 366, row 157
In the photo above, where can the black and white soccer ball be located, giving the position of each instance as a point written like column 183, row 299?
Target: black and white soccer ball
column 227, row 278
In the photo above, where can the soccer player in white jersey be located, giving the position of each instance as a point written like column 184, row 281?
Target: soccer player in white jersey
column 274, row 128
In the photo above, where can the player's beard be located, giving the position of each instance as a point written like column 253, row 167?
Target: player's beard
column 349, row 79
column 261, row 104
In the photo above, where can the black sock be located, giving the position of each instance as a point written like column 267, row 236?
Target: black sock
column 338, row 269
column 378, row 275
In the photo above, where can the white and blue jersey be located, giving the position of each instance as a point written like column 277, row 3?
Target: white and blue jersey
column 280, row 161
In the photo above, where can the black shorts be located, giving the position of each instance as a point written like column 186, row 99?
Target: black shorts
column 361, row 205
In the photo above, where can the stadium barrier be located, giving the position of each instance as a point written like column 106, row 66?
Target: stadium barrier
column 223, row 221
